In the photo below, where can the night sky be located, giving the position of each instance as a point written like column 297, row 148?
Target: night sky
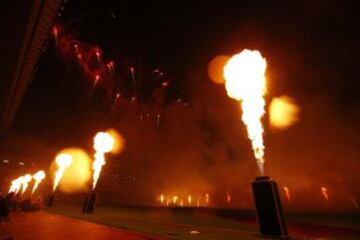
column 312, row 50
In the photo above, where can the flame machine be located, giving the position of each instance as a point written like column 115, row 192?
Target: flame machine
column 270, row 215
column 89, row 203
column 50, row 201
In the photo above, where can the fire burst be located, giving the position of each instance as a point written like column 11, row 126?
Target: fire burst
column 25, row 182
column 63, row 161
column 38, row 177
column 103, row 143
column 15, row 186
column 287, row 193
column 324, row 193
column 245, row 81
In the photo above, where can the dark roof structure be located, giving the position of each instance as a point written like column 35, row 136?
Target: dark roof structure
column 24, row 30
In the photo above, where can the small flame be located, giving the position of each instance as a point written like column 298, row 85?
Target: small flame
column 38, row 177
column 287, row 193
column 161, row 198
column 189, row 199
column 63, row 161
column 228, row 197
column 324, row 193
column 245, row 81
column 103, row 143
column 25, row 182
column 175, row 199
column 207, row 198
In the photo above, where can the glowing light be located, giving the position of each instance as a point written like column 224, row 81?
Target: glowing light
column 175, row 198
column 15, row 185
column 324, row 192
column 38, row 177
column 245, row 81
column 63, row 162
column 215, row 69
column 25, row 182
column 189, row 199
column 353, row 200
column 287, row 193
column 228, row 197
column 207, row 198
column 161, row 198
column 103, row 143
column 283, row 112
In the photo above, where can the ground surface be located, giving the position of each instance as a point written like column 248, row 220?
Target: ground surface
column 194, row 223
column 43, row 225
column 171, row 223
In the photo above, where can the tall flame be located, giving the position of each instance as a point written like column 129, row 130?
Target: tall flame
column 38, row 177
column 25, row 182
column 245, row 81
column 63, row 161
column 103, row 143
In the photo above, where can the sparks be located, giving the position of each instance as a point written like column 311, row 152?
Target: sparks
column 38, row 177
column 103, row 143
column 63, row 162
column 245, row 81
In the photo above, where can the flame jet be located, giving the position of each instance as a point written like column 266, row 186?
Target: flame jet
column 15, row 186
column 25, row 182
column 245, row 81
column 103, row 143
column 38, row 177
column 63, row 161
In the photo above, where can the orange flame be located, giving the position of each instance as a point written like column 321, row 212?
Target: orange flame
column 175, row 199
column 161, row 198
column 324, row 193
column 38, row 177
column 287, row 193
column 207, row 198
column 228, row 197
column 189, row 199
column 25, row 182
column 63, row 161
column 15, row 186
column 245, row 81
column 103, row 143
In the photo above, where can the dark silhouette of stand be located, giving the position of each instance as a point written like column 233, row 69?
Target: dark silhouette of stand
column 50, row 201
column 270, row 215
column 89, row 203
